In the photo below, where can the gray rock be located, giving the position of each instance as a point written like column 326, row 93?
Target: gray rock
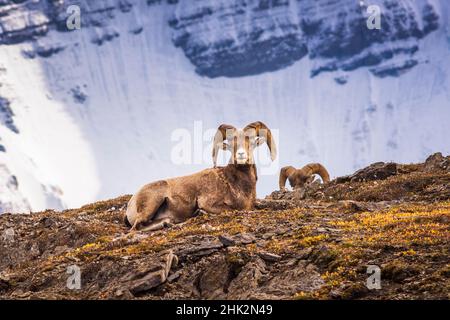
column 227, row 240
column 153, row 277
column 270, row 257
column 200, row 249
column 238, row 239
column 376, row 171
column 437, row 162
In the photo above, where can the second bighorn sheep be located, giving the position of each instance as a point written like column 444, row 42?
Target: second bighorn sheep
column 299, row 177
column 214, row 190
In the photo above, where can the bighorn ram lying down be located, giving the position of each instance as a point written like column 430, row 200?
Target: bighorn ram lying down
column 161, row 203
column 298, row 177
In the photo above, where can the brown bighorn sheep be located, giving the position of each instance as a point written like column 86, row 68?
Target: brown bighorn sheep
column 298, row 177
column 161, row 203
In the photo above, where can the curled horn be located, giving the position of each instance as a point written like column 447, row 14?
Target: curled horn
column 219, row 138
column 262, row 131
column 285, row 172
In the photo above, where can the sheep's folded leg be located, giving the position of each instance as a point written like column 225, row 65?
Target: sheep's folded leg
column 154, row 226
column 199, row 212
column 135, row 225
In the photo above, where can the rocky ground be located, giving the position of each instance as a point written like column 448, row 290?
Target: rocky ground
column 315, row 243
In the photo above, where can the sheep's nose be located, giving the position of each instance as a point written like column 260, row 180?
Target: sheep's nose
column 241, row 153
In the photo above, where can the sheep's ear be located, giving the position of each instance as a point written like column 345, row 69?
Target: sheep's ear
column 224, row 132
column 263, row 133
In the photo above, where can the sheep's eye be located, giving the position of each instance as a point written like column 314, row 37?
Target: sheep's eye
column 256, row 141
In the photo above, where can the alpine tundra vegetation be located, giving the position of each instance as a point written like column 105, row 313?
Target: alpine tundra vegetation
column 315, row 243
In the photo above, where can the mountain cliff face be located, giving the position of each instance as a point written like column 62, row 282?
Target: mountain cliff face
column 91, row 113
column 238, row 38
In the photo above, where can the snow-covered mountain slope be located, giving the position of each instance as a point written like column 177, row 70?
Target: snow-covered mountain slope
column 10, row 199
column 97, row 112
